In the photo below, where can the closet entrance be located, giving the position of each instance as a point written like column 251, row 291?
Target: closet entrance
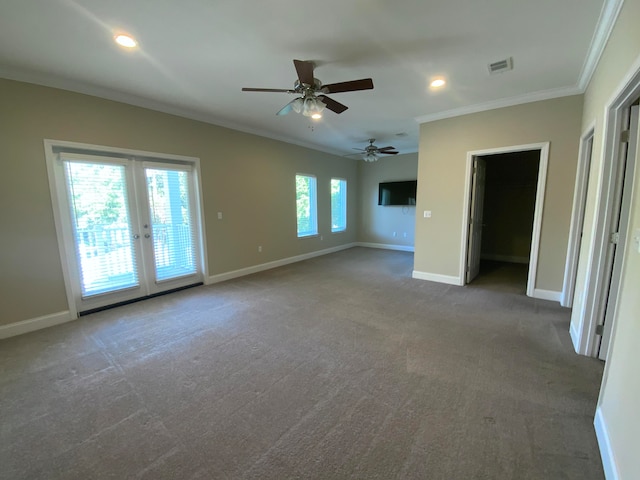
column 505, row 196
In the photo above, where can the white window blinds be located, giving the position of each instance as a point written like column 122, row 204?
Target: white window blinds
column 102, row 227
column 172, row 226
column 306, row 205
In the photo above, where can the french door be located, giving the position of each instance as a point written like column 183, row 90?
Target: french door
column 129, row 225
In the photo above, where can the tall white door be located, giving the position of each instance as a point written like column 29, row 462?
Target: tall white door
column 129, row 225
column 475, row 220
column 619, row 228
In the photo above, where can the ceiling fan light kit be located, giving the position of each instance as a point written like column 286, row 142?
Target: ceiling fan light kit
column 310, row 106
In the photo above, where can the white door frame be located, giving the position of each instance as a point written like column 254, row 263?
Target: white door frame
column 537, row 216
column 622, row 217
column 65, row 244
column 577, row 215
column 596, row 252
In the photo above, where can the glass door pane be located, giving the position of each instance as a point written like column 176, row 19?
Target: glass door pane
column 102, row 227
column 172, row 228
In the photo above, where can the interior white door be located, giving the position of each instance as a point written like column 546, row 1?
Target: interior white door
column 620, row 226
column 130, row 227
column 475, row 218
column 577, row 221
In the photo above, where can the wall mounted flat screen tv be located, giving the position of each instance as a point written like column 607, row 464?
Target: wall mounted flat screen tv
column 397, row 193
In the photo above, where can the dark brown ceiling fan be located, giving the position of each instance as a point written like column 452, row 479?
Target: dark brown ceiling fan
column 371, row 152
column 312, row 99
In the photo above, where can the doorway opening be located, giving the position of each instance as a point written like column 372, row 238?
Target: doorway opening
column 504, row 200
column 507, row 218
column 129, row 223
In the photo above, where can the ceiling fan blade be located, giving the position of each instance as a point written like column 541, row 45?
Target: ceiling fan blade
column 305, row 71
column 281, row 90
column 386, row 148
column 287, row 108
column 389, row 153
column 351, row 86
column 332, row 105
column 359, row 149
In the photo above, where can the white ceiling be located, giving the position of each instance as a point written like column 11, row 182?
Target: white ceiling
column 195, row 55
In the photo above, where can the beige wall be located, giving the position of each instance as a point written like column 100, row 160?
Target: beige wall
column 619, row 403
column 441, row 179
column 250, row 179
column 377, row 223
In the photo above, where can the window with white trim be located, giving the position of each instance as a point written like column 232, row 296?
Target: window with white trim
column 306, row 205
column 338, row 205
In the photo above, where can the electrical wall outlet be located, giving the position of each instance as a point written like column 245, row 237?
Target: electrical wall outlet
column 259, row 248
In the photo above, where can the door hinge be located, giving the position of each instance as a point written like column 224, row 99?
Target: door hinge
column 624, row 136
column 599, row 330
column 614, row 238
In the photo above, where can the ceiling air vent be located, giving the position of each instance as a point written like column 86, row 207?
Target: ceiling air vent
column 501, row 66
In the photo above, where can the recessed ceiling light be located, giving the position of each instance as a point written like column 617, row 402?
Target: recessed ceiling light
column 126, row 41
column 438, row 82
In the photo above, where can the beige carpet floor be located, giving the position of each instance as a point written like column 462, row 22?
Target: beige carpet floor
column 338, row 367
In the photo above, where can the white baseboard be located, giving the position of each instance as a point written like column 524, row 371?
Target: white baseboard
column 386, row 246
column 222, row 277
column 33, row 324
column 606, row 452
column 547, row 295
column 563, row 300
column 504, row 258
column 575, row 337
column 436, row 277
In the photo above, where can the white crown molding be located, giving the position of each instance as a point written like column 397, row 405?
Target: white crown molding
column 606, row 22
column 608, row 16
column 604, row 27
column 501, row 103
column 137, row 101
